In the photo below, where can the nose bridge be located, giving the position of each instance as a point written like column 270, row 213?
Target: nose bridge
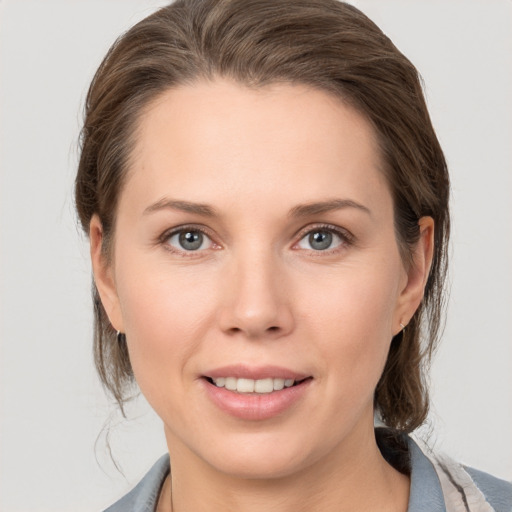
column 255, row 301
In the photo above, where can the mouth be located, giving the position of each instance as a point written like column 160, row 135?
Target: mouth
column 256, row 393
column 255, row 386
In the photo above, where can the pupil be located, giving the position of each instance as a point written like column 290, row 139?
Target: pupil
column 191, row 240
column 320, row 240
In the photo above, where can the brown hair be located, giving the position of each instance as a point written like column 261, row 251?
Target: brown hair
column 325, row 44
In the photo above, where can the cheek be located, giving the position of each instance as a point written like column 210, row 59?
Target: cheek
column 166, row 315
column 352, row 322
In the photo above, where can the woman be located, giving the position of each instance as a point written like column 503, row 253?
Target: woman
column 267, row 206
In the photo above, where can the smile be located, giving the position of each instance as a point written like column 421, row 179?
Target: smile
column 260, row 386
column 261, row 397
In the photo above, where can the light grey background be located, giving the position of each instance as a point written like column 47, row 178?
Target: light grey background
column 52, row 407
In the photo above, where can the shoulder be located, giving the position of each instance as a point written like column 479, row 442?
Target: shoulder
column 144, row 496
column 438, row 483
column 497, row 492
column 454, row 486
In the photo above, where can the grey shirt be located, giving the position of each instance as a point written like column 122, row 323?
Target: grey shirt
column 426, row 493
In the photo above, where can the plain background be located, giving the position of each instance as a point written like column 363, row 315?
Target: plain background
column 53, row 454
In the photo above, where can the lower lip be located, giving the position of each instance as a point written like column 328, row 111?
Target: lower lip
column 253, row 406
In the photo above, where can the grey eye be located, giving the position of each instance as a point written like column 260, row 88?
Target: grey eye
column 189, row 240
column 320, row 240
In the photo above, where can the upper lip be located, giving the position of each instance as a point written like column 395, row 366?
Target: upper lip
column 241, row 371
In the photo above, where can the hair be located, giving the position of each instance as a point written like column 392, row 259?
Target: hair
column 325, row 44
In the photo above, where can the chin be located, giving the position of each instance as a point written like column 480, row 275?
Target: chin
column 258, row 467
column 264, row 457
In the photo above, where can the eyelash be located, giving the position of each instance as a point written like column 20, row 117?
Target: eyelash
column 347, row 238
column 164, row 239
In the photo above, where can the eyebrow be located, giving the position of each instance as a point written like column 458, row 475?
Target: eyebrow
column 301, row 210
column 308, row 209
column 184, row 206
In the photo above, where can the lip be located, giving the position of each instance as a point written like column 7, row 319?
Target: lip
column 254, row 406
column 241, row 371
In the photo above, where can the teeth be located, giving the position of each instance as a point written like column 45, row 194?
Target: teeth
column 245, row 386
column 279, row 384
column 261, row 386
column 230, row 383
column 264, row 386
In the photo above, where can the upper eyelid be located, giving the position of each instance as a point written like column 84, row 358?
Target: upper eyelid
column 190, row 227
column 347, row 240
column 164, row 238
column 344, row 233
column 299, row 235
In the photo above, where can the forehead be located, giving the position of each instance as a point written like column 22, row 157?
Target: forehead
column 221, row 140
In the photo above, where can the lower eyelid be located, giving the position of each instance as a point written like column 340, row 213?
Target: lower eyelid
column 206, row 240
column 166, row 237
column 338, row 243
column 344, row 237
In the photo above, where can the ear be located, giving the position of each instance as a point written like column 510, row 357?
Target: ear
column 417, row 274
column 104, row 274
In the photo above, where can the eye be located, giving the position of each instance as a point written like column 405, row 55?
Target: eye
column 321, row 239
column 189, row 240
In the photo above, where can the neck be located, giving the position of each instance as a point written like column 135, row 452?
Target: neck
column 351, row 477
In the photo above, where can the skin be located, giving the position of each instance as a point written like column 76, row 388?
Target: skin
column 257, row 292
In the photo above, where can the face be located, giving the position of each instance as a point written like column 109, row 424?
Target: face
column 256, row 275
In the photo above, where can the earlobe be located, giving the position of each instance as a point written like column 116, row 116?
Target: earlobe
column 103, row 274
column 417, row 273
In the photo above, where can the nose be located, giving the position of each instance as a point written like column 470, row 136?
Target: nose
column 256, row 300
